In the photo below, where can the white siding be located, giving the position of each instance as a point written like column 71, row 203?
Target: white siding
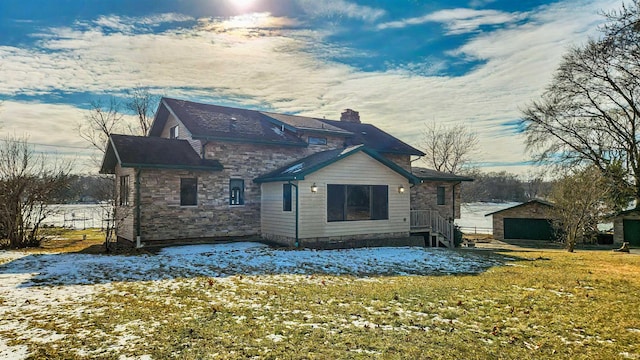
column 357, row 169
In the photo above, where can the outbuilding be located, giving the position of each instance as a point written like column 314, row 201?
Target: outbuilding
column 626, row 227
column 531, row 220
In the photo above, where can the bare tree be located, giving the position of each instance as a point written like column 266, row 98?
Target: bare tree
column 107, row 118
column 590, row 114
column 100, row 121
column 28, row 183
column 143, row 104
column 580, row 202
column 448, row 149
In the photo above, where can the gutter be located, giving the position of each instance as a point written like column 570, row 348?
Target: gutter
column 453, row 202
column 297, row 243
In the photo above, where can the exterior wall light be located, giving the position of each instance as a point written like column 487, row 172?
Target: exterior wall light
column 401, row 189
column 314, row 188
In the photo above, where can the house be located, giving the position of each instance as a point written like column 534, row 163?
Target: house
column 626, row 227
column 209, row 172
column 531, row 220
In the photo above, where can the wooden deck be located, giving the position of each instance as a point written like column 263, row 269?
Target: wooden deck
column 431, row 221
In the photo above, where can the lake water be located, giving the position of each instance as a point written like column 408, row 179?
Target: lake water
column 83, row 216
column 473, row 219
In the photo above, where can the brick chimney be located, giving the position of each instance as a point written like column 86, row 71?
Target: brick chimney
column 350, row 116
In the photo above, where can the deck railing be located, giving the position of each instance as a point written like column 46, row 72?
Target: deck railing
column 432, row 221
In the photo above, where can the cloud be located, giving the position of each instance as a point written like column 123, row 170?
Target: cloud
column 330, row 8
column 286, row 70
column 480, row 3
column 253, row 24
column 128, row 24
column 458, row 21
column 50, row 128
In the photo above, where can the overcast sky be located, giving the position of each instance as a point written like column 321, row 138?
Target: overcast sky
column 401, row 63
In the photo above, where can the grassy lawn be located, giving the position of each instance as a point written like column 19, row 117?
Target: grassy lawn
column 540, row 304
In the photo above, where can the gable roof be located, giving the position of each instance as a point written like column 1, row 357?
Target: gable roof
column 534, row 201
column 297, row 170
column 153, row 152
column 434, row 175
column 213, row 122
column 374, row 138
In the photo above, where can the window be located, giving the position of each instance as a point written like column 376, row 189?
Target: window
column 188, row 191
column 236, row 192
column 317, row 141
column 286, row 197
column 357, row 202
column 173, row 132
column 440, row 196
column 124, row 190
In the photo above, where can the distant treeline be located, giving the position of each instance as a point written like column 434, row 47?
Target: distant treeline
column 85, row 189
column 487, row 187
column 502, row 187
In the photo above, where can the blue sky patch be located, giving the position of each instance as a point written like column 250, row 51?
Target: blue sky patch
column 402, row 64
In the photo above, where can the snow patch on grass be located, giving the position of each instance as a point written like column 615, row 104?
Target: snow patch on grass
column 38, row 290
column 274, row 337
column 12, row 352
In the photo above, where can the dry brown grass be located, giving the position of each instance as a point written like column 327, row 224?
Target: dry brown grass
column 543, row 304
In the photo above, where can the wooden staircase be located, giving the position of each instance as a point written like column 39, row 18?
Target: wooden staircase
column 430, row 221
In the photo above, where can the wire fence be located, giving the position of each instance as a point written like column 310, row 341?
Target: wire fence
column 476, row 230
column 78, row 216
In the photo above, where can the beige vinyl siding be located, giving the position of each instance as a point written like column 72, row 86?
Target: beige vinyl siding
column 357, row 169
column 275, row 221
column 183, row 133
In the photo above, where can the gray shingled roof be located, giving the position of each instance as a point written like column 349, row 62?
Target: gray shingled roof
column 153, row 152
column 209, row 122
column 374, row 138
column 434, row 175
column 307, row 123
column 213, row 122
column 533, row 201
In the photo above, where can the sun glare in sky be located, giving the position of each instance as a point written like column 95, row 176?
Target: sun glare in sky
column 243, row 5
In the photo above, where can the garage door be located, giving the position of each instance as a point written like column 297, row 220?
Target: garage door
column 632, row 231
column 530, row 229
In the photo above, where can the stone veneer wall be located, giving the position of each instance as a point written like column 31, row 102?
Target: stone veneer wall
column 618, row 225
column 404, row 161
column 163, row 218
column 533, row 210
column 425, row 196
